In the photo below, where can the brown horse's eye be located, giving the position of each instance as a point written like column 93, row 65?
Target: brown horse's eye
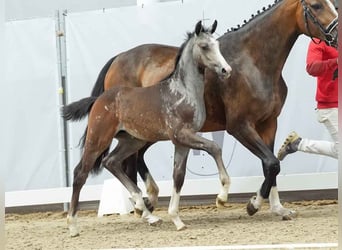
column 316, row 6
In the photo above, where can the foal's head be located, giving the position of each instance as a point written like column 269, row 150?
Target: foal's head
column 206, row 50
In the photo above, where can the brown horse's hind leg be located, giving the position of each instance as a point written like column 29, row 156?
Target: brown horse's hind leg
column 127, row 146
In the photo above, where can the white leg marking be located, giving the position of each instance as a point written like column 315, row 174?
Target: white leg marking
column 223, row 194
column 257, row 201
column 222, row 197
column 152, row 190
column 174, row 210
column 140, row 205
column 72, row 224
column 275, row 205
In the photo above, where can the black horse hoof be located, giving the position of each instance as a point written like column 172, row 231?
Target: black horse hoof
column 148, row 204
column 251, row 210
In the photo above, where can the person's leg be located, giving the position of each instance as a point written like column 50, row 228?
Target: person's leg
column 294, row 142
column 329, row 117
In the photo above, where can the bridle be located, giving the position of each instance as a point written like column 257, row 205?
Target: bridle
column 330, row 38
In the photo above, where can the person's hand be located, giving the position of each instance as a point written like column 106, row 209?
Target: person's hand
column 335, row 74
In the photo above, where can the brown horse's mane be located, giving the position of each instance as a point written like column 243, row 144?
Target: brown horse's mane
column 253, row 16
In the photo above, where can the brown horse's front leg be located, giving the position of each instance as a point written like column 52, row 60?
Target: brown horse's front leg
column 251, row 139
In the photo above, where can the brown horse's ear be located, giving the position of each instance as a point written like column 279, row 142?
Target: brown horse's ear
column 198, row 28
column 213, row 27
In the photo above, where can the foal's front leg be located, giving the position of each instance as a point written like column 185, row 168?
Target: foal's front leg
column 190, row 139
column 180, row 158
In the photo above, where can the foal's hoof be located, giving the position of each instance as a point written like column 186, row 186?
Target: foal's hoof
column 251, row 210
column 138, row 213
column 72, row 224
column 74, row 234
column 73, row 231
column 220, row 203
column 181, row 228
column 148, row 204
column 286, row 217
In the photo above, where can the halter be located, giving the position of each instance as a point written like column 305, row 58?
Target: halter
column 329, row 37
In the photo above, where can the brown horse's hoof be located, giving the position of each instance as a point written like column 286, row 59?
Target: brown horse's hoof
column 251, row 210
column 138, row 212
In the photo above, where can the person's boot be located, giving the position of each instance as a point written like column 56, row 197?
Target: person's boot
column 289, row 146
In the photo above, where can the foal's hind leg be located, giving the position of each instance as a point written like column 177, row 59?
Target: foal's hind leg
column 152, row 189
column 127, row 146
column 80, row 176
column 136, row 163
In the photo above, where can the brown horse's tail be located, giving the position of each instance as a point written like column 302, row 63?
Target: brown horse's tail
column 98, row 88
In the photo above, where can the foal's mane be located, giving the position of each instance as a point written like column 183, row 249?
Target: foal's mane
column 189, row 35
column 253, row 16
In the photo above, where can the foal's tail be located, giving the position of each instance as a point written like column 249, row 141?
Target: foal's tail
column 77, row 110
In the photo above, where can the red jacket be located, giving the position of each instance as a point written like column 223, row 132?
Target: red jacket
column 321, row 62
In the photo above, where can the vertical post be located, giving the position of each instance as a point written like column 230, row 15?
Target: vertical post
column 62, row 71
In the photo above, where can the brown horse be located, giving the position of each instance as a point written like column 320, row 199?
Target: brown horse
column 172, row 110
column 247, row 104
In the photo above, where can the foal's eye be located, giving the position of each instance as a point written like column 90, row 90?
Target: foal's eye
column 204, row 46
column 316, row 6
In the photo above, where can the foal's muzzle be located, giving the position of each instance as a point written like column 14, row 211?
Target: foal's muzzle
column 225, row 72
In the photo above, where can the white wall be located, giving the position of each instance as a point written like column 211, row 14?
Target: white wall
column 29, row 135
column 23, row 9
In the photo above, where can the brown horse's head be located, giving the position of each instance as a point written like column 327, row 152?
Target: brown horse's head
column 320, row 19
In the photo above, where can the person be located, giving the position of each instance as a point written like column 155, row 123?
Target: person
column 321, row 62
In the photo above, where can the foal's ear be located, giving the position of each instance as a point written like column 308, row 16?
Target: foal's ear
column 198, row 28
column 213, row 27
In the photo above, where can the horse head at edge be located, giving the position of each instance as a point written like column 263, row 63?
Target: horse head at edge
column 321, row 20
